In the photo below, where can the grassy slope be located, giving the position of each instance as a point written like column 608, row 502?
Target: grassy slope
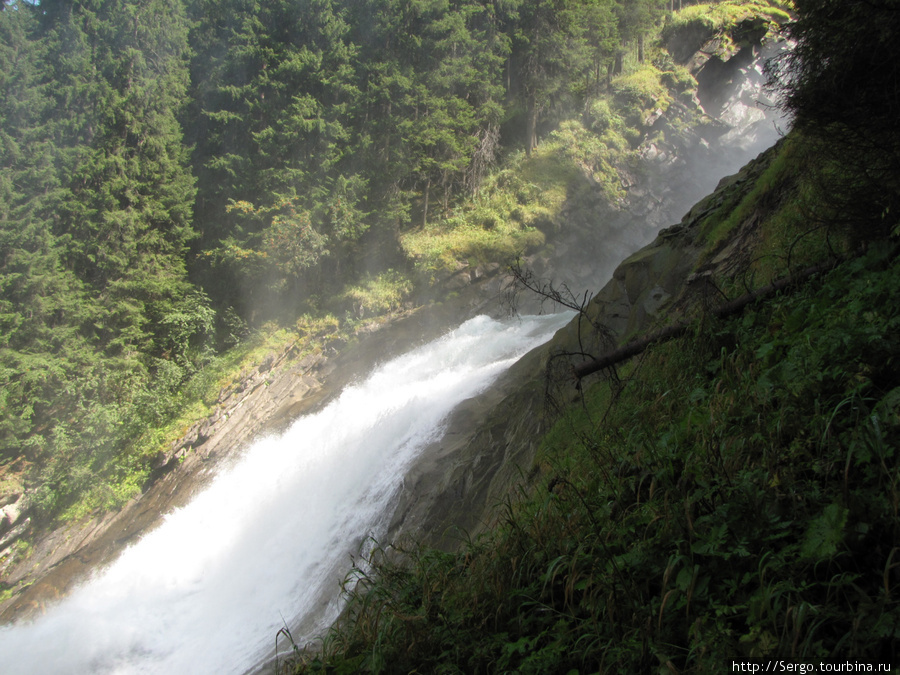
column 731, row 494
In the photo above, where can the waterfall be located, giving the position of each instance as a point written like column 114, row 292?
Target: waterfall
column 267, row 543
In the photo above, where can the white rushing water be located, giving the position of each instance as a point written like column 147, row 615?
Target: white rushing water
column 269, row 540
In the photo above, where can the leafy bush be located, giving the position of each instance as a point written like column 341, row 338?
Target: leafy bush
column 601, row 117
column 641, row 89
column 596, row 157
column 678, row 79
column 382, row 294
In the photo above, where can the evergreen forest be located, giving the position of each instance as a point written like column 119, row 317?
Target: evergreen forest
column 178, row 174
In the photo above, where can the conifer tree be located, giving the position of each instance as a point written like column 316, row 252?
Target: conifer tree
column 121, row 79
column 95, row 200
column 275, row 94
column 38, row 296
column 554, row 55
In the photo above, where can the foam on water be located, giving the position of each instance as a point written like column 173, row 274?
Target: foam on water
column 271, row 537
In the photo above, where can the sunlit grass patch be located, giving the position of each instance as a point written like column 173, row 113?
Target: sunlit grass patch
column 442, row 247
column 725, row 15
column 504, row 219
column 380, row 294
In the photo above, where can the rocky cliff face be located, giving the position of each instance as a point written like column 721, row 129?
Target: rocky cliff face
column 492, row 439
column 264, row 400
column 281, row 387
column 686, row 150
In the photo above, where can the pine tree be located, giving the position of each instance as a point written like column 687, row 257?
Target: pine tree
column 95, row 207
column 551, row 54
column 433, row 74
column 122, row 78
column 275, row 90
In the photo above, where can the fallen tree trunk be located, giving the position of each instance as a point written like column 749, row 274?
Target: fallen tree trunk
column 677, row 330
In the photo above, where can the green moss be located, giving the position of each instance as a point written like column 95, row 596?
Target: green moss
column 738, row 203
column 724, row 16
column 107, row 495
column 440, row 249
column 778, row 204
column 12, row 591
column 642, row 88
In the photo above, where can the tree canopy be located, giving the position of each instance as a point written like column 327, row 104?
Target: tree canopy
column 170, row 168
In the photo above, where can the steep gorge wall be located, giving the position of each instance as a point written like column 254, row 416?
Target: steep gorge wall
column 282, row 386
column 686, row 150
column 263, row 401
column 491, row 440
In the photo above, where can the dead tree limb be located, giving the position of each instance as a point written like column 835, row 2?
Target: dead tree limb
column 559, row 295
column 677, row 330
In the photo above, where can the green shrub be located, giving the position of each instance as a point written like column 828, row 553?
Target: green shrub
column 678, row 79
column 381, row 294
column 502, row 221
column 641, row 89
column 593, row 155
column 601, row 116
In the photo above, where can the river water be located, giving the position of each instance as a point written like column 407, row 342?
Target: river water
column 268, row 542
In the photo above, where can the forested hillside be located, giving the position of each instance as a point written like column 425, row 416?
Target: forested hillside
column 177, row 173
column 724, row 495
column 97, row 212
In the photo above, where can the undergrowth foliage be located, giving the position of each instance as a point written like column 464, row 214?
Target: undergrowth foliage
column 732, row 494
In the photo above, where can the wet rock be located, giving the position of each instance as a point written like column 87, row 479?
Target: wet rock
column 12, row 514
column 205, row 431
column 160, row 460
column 650, row 152
column 64, row 555
column 653, row 117
column 490, row 440
column 457, row 281
column 489, row 437
column 267, row 363
column 486, row 270
column 654, row 300
column 15, row 533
